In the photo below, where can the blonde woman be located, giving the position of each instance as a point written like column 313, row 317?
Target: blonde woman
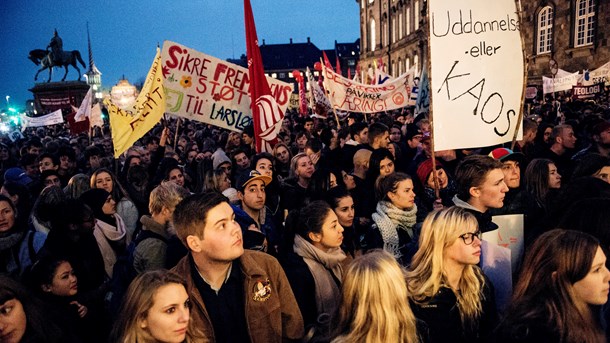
column 156, row 308
column 366, row 313
column 446, row 288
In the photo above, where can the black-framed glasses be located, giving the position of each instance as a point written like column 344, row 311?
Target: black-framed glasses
column 468, row 237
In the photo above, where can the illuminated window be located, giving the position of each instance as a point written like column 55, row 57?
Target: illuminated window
column 372, row 33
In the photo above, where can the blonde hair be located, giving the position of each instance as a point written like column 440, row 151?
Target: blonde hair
column 136, row 304
column 168, row 194
column 368, row 314
column 440, row 230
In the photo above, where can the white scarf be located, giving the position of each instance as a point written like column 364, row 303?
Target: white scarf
column 105, row 232
column 388, row 218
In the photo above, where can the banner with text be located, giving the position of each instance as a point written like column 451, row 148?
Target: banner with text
column 477, row 74
column 207, row 89
column 587, row 92
column 347, row 95
column 601, row 74
column 48, row 119
column 551, row 85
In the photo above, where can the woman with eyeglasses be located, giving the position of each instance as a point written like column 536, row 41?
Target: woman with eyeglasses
column 447, row 290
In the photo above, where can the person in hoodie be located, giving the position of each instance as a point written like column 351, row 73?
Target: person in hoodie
column 109, row 230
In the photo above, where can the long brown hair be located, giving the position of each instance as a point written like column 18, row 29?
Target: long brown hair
column 555, row 261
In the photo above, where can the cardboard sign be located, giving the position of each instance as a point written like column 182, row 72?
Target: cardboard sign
column 477, row 72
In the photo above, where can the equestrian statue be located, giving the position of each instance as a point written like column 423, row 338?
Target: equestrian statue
column 55, row 56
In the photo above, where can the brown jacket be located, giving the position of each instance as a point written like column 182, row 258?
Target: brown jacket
column 276, row 319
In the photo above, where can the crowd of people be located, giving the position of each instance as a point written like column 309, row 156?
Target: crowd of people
column 346, row 232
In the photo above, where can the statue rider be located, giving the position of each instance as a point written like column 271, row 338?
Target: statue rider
column 56, row 46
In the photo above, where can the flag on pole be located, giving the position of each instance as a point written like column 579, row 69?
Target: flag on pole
column 339, row 66
column 84, row 111
column 127, row 126
column 327, row 61
column 266, row 113
column 96, row 116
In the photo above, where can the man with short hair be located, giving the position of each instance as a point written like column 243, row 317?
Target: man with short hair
column 563, row 142
column 151, row 242
column 50, row 177
column 47, row 161
column 379, row 136
column 236, row 295
column 600, row 141
column 358, row 132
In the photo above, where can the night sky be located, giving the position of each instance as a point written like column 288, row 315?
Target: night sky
column 124, row 33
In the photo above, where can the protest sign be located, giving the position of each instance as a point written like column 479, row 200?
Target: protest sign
column 207, row 89
column 48, row 119
column 587, row 92
column 347, row 95
column 477, row 74
column 601, row 74
column 564, row 83
column 509, row 235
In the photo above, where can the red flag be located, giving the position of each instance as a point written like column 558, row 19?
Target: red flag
column 327, row 61
column 266, row 113
column 338, row 66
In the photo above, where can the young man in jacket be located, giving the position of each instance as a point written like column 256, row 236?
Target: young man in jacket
column 237, row 295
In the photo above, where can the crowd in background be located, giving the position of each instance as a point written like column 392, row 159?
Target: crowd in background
column 346, row 232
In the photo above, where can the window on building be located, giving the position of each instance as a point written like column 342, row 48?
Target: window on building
column 394, row 30
column 408, row 21
column 416, row 10
column 372, row 33
column 407, row 62
column 400, row 29
column 371, row 1
column 416, row 62
column 283, row 75
column 585, row 21
column 399, row 66
column 545, row 30
column 384, row 34
column 362, row 4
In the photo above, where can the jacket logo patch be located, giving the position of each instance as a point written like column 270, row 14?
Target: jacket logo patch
column 262, row 290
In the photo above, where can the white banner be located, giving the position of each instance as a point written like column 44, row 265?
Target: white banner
column 207, row 89
column 550, row 85
column 347, row 95
column 601, row 74
column 84, row 111
column 48, row 119
column 477, row 75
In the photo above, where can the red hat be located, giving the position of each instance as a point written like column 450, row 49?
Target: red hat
column 504, row 154
column 424, row 169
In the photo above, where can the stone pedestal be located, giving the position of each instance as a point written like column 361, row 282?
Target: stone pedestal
column 49, row 97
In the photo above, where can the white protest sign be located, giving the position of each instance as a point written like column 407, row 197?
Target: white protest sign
column 550, row 85
column 509, row 235
column 207, row 89
column 601, row 74
column 347, row 95
column 48, row 119
column 477, row 72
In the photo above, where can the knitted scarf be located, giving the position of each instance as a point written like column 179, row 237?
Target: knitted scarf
column 108, row 236
column 388, row 219
column 321, row 264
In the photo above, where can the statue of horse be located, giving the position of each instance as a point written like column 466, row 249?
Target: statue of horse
column 64, row 59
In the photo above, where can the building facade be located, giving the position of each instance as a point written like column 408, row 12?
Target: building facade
column 574, row 33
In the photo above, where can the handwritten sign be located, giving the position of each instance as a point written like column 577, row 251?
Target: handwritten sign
column 477, row 69
column 348, row 95
column 564, row 83
column 52, row 118
column 207, row 89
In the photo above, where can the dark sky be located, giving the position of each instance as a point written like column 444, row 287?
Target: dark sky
column 124, row 33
